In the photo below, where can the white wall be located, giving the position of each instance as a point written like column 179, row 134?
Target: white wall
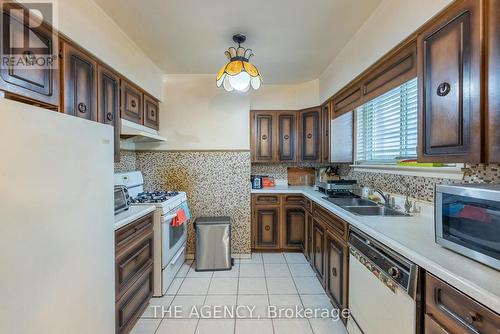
column 196, row 115
column 88, row 25
column 390, row 23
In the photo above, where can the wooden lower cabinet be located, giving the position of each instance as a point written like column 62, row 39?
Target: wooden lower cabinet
column 336, row 262
column 448, row 310
column 133, row 272
column 308, row 250
column 266, row 227
column 293, row 224
column 319, row 250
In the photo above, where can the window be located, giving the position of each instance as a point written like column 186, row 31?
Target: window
column 386, row 127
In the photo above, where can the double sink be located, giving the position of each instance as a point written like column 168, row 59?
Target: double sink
column 364, row 207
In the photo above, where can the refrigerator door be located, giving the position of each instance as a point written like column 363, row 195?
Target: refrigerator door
column 57, row 223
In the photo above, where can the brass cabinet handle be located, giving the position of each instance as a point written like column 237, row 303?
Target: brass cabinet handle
column 267, row 227
column 309, row 136
column 334, row 272
column 133, row 103
column 285, row 137
column 109, row 116
column 264, row 137
column 152, row 113
column 82, row 107
column 472, row 317
column 443, row 89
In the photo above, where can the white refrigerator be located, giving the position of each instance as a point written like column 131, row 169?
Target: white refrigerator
column 56, row 223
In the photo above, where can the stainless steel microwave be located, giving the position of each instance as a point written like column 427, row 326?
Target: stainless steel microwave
column 467, row 221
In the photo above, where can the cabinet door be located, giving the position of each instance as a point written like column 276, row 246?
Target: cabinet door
column 36, row 83
column 310, row 237
column 449, row 67
column 108, row 102
column 310, row 131
column 131, row 103
column 325, row 125
column 293, row 227
column 266, row 231
column 151, row 112
column 262, row 136
column 318, row 244
column 335, row 274
column 80, row 83
column 287, row 139
column 493, row 82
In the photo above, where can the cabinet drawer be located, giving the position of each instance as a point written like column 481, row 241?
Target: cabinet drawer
column 267, row 199
column 133, row 260
column 432, row 327
column 129, row 308
column 293, row 199
column 333, row 223
column 456, row 312
column 133, row 232
column 307, row 204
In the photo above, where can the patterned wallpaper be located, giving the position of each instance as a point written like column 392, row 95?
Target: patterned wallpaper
column 216, row 183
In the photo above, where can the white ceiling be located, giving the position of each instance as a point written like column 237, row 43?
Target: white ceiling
column 293, row 40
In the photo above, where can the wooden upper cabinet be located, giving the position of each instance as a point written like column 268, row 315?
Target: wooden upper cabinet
column 151, row 112
column 325, row 130
column 287, row 136
column 347, row 99
column 398, row 67
column 108, row 102
column 310, row 135
column 449, row 76
column 79, row 75
column 262, row 134
column 131, row 103
column 37, row 84
column 493, row 82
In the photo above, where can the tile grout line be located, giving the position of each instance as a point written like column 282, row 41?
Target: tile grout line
column 267, row 290
column 204, row 301
column 300, row 298
column 174, row 296
column 237, row 294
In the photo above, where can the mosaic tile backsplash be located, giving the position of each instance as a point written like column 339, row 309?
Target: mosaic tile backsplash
column 216, row 183
column 127, row 162
column 418, row 187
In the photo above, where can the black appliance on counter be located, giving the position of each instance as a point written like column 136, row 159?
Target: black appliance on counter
column 339, row 188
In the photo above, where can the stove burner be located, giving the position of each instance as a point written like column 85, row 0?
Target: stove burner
column 154, row 196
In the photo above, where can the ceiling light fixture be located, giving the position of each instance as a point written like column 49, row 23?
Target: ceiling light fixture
column 239, row 74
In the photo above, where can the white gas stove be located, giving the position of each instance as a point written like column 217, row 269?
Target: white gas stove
column 169, row 240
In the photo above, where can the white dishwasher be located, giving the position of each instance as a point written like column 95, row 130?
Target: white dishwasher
column 382, row 289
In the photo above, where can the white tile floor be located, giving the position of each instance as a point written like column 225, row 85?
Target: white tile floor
column 284, row 280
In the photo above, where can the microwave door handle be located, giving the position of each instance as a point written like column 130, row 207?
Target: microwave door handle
column 168, row 218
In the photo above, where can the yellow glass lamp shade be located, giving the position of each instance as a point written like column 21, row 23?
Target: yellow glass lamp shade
column 239, row 74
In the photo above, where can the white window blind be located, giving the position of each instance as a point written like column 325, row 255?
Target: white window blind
column 386, row 127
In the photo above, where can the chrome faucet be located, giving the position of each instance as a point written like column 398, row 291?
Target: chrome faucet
column 386, row 198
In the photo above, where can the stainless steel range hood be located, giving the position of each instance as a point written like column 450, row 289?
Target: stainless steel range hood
column 136, row 133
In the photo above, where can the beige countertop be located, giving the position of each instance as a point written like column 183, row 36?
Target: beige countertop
column 134, row 212
column 413, row 237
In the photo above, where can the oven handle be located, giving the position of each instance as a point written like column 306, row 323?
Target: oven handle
column 168, row 218
column 176, row 258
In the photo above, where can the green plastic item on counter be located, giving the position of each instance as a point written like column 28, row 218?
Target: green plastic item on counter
column 419, row 164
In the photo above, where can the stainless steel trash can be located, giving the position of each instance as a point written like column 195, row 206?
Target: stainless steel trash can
column 213, row 243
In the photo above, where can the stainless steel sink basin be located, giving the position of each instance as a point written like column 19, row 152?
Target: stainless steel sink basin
column 374, row 211
column 343, row 202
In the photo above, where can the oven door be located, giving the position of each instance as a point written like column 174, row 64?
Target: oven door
column 173, row 238
column 470, row 226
